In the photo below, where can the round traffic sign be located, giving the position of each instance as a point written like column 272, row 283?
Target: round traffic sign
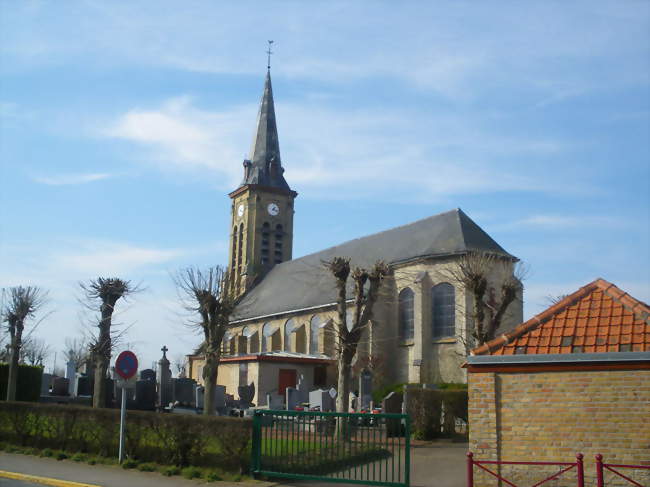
column 126, row 365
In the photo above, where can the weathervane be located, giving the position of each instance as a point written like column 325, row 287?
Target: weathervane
column 269, row 52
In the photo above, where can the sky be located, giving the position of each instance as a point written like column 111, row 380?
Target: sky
column 123, row 126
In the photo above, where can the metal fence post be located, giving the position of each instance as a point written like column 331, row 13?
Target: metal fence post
column 470, row 469
column 581, row 470
column 407, row 453
column 600, row 482
column 256, row 447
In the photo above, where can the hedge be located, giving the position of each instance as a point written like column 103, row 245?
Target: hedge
column 176, row 439
column 28, row 386
column 426, row 407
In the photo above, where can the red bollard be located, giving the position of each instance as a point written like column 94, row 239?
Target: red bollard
column 599, row 471
column 581, row 470
column 470, row 469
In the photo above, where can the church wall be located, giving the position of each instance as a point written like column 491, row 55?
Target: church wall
column 268, row 378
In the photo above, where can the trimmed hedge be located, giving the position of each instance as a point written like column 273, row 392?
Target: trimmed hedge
column 28, row 387
column 150, row 437
column 426, row 407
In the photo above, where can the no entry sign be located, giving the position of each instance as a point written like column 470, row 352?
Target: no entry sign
column 126, row 365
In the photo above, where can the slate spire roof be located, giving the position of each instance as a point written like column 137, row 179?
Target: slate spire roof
column 597, row 318
column 304, row 283
column 264, row 166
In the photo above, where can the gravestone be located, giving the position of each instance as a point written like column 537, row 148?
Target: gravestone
column 293, row 398
column 320, row 398
column 60, row 386
column 145, row 395
column 302, row 389
column 148, row 374
column 392, row 403
column 365, row 389
column 71, row 375
column 246, row 395
column 164, row 380
column 83, row 386
column 219, row 397
column 274, row 402
column 183, row 391
column 46, row 382
column 353, row 402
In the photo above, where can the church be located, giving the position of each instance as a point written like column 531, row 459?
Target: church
column 282, row 329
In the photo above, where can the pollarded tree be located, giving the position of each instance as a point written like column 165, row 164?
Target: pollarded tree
column 208, row 294
column 106, row 292
column 21, row 304
column 473, row 271
column 365, row 293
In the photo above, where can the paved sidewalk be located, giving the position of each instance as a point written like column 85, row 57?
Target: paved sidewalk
column 432, row 465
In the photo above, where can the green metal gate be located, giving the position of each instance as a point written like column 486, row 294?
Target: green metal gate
column 367, row 449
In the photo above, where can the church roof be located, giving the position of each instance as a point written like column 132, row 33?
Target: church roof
column 265, row 166
column 303, row 283
column 597, row 318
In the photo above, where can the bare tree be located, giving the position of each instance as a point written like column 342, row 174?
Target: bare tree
column 21, row 303
column 473, row 271
column 347, row 337
column 34, row 351
column 76, row 351
column 106, row 291
column 209, row 294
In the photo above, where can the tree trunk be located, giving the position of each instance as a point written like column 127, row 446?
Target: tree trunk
column 210, row 374
column 102, row 355
column 344, row 380
column 12, row 380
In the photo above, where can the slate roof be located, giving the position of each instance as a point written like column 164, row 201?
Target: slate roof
column 265, row 166
column 598, row 317
column 304, row 283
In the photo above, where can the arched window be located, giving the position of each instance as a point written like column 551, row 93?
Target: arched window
column 314, row 329
column 405, row 311
column 279, row 235
column 266, row 233
column 443, row 310
column 267, row 332
column 233, row 262
column 289, row 326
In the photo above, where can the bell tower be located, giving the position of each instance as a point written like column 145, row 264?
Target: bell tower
column 261, row 229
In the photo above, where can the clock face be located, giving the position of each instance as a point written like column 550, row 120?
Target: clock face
column 273, row 209
column 240, row 211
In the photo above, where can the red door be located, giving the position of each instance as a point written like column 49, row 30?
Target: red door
column 286, row 378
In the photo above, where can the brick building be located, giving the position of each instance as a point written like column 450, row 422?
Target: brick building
column 573, row 379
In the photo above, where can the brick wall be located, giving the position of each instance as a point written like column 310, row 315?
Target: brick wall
column 551, row 416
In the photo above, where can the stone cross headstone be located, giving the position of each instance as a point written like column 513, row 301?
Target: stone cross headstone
column 164, row 380
column 293, row 398
column 46, row 382
column 60, row 386
column 365, row 389
column 392, row 403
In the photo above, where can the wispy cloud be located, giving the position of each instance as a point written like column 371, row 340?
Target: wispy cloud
column 569, row 221
column 333, row 153
column 70, row 179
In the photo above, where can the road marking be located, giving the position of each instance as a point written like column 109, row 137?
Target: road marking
column 43, row 480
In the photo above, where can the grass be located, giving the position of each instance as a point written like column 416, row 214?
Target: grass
column 129, row 463
column 171, row 471
column 192, row 473
column 147, row 467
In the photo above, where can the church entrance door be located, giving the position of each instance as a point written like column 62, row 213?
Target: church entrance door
column 286, row 378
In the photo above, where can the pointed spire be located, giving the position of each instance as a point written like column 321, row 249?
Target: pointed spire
column 264, row 166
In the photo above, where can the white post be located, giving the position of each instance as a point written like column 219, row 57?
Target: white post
column 122, row 424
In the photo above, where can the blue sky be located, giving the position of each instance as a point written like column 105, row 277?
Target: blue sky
column 124, row 124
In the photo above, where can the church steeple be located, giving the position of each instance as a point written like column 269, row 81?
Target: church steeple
column 262, row 209
column 264, row 166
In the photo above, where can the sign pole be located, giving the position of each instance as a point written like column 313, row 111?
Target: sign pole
column 122, row 424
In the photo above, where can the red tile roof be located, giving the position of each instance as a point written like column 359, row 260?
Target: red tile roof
column 598, row 317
